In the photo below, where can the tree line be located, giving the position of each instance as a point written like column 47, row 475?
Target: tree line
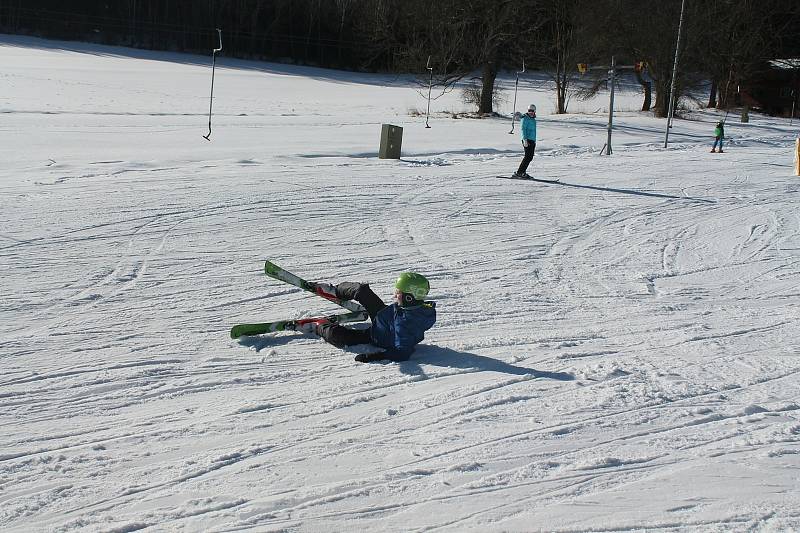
column 724, row 41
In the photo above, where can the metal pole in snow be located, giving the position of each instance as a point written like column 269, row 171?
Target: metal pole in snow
column 213, row 67
column 674, row 74
column 514, row 107
column 611, row 79
column 430, row 86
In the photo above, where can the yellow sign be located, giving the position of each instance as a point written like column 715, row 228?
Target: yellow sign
column 797, row 157
column 583, row 68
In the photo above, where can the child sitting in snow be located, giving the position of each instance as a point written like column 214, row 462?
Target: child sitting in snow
column 397, row 328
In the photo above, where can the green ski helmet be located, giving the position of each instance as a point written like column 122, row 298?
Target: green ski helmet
column 414, row 284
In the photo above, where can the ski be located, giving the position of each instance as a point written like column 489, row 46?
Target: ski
column 528, row 179
column 241, row 330
column 274, row 271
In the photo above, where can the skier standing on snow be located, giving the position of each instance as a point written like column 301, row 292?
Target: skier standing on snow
column 719, row 135
column 397, row 328
column 528, row 129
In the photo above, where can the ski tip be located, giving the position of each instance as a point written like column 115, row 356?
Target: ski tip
column 271, row 268
column 246, row 330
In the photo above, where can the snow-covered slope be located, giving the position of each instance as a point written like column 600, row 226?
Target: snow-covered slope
column 615, row 352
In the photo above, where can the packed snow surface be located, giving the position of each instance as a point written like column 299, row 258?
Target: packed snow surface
column 616, row 352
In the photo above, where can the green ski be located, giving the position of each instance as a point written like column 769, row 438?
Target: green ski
column 274, row 271
column 241, row 330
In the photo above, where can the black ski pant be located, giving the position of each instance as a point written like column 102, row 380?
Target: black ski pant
column 341, row 336
column 529, row 150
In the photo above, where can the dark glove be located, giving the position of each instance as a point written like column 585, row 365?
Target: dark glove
column 370, row 357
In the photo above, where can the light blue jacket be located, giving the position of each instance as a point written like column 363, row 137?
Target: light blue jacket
column 528, row 127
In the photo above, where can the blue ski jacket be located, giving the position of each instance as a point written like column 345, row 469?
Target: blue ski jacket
column 528, row 127
column 399, row 329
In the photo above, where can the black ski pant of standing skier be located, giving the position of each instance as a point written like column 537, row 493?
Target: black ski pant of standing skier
column 529, row 150
column 341, row 336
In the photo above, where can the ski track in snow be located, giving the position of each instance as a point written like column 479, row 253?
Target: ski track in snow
column 615, row 352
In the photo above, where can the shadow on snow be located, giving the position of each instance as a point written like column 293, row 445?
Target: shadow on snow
column 424, row 355
column 626, row 191
column 449, row 358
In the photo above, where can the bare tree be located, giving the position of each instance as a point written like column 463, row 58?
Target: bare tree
column 604, row 34
column 744, row 35
column 648, row 31
column 556, row 48
column 462, row 38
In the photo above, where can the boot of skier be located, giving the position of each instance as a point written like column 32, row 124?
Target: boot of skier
column 396, row 328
